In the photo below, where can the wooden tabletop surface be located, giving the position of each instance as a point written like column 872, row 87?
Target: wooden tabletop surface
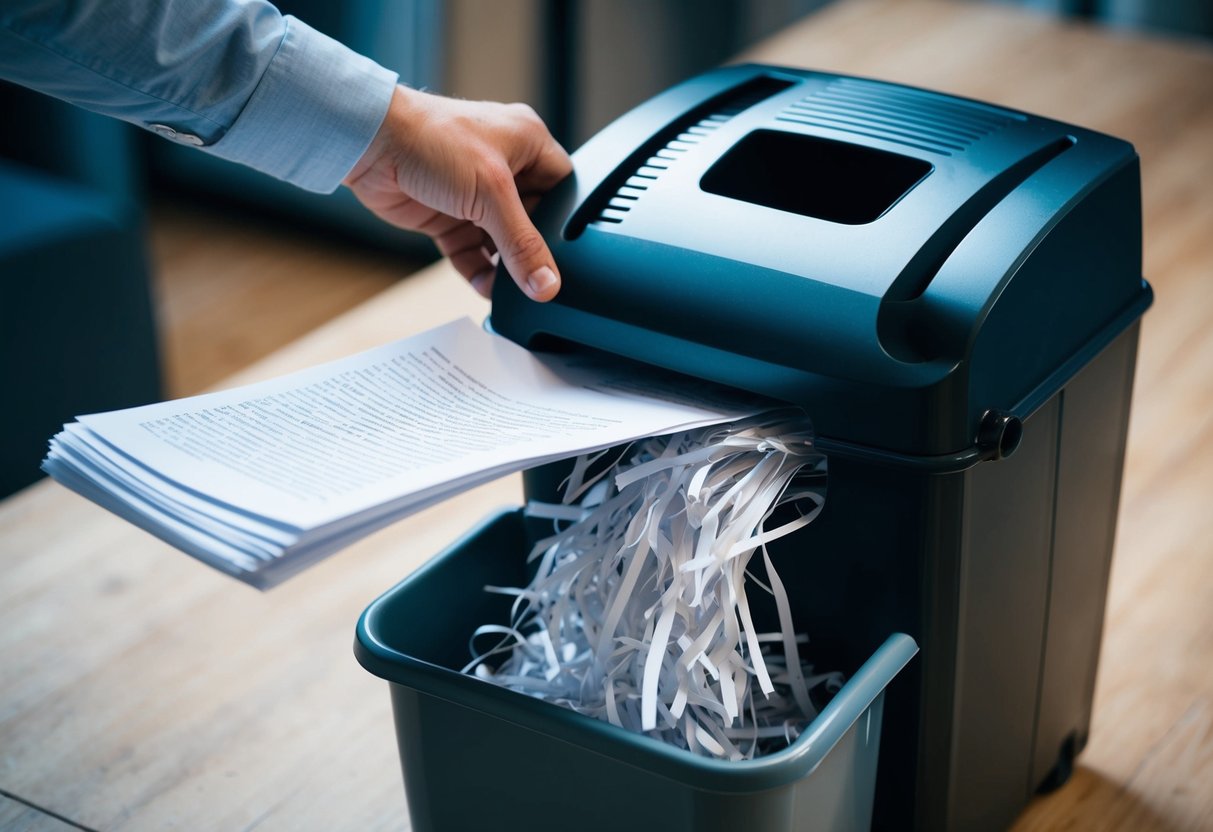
column 141, row 690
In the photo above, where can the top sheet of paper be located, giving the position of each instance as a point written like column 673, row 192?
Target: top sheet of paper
column 446, row 409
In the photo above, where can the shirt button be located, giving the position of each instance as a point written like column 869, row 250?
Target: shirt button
column 172, row 135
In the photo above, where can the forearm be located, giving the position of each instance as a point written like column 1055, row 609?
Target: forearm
column 237, row 78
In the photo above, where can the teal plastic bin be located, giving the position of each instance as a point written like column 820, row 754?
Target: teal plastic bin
column 476, row 756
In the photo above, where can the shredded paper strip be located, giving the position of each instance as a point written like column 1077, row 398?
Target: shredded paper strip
column 638, row 613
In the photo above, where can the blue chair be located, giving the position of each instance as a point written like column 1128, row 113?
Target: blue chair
column 77, row 333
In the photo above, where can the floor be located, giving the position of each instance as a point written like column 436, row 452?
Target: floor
column 231, row 288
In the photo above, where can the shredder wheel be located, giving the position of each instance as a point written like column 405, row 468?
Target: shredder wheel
column 1059, row 775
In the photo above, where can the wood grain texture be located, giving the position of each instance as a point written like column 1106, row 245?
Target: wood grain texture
column 230, row 290
column 17, row 817
column 139, row 690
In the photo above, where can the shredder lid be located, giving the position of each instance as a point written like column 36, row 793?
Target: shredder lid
column 897, row 261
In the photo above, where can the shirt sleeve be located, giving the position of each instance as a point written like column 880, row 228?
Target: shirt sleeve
column 232, row 77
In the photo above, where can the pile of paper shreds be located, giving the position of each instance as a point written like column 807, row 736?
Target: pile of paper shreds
column 638, row 613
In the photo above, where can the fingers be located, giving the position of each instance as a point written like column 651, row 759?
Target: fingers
column 438, row 163
column 471, row 253
column 522, row 248
column 545, row 162
column 550, row 166
column 510, row 200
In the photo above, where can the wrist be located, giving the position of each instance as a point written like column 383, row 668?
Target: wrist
column 398, row 124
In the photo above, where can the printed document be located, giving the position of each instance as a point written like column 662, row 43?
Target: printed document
column 263, row 480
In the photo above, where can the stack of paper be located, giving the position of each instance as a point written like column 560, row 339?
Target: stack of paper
column 264, row 480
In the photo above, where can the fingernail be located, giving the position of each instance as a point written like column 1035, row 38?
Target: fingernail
column 482, row 282
column 542, row 280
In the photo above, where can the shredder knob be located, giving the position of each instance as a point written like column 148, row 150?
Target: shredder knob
column 999, row 434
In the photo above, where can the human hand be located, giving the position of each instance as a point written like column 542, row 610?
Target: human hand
column 465, row 173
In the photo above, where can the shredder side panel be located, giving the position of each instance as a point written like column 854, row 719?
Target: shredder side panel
column 921, row 801
column 1004, row 579
column 1095, row 421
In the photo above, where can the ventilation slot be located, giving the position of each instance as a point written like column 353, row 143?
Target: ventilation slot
column 620, row 192
column 914, row 118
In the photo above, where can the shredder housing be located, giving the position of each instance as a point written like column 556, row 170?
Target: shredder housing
column 955, row 305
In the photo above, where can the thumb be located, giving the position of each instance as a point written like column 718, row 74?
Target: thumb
column 523, row 251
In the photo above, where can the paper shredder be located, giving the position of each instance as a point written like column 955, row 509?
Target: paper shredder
column 951, row 290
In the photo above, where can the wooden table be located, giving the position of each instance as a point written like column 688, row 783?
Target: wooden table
column 141, row 690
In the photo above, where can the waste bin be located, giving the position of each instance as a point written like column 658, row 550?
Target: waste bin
column 951, row 290
column 479, row 756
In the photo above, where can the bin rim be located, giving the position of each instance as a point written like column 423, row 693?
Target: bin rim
column 779, row 768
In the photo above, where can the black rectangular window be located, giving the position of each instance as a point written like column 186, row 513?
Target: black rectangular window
column 829, row 180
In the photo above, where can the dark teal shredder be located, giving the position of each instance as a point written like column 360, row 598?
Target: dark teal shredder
column 952, row 292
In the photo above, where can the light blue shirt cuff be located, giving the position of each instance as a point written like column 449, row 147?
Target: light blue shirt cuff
column 313, row 114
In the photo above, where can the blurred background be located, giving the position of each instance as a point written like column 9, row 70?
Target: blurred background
column 133, row 269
